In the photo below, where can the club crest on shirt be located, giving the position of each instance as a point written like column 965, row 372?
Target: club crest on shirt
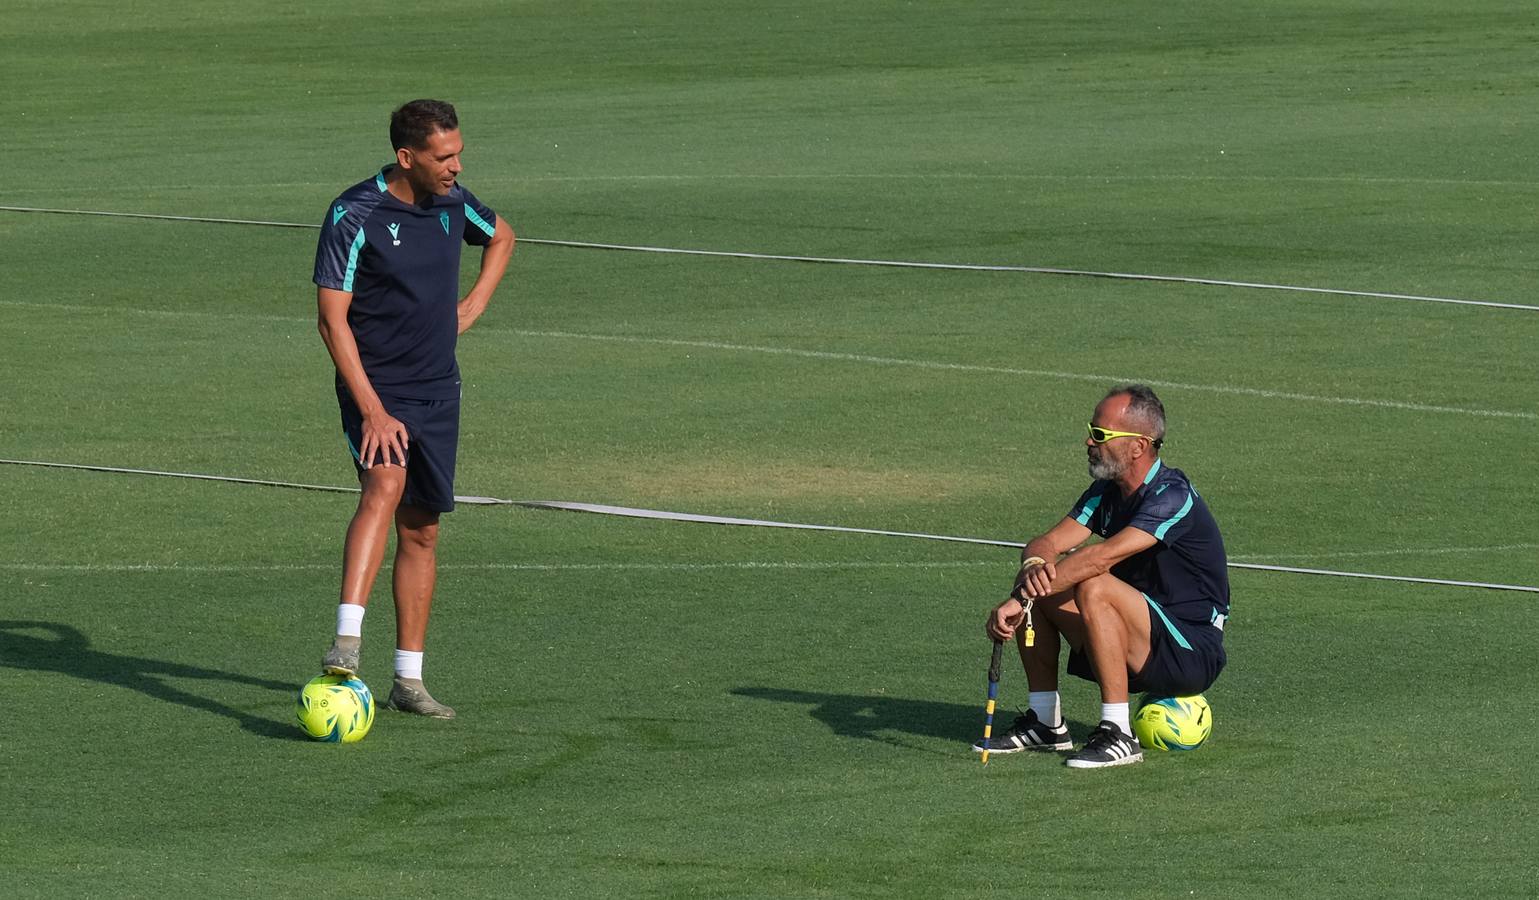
column 443, row 219
column 338, row 213
column 395, row 234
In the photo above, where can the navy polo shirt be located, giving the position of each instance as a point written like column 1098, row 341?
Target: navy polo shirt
column 401, row 263
column 1186, row 572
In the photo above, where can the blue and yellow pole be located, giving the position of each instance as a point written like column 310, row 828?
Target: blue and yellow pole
column 988, row 711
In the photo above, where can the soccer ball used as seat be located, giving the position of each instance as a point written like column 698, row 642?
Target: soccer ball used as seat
column 1173, row 723
column 335, row 708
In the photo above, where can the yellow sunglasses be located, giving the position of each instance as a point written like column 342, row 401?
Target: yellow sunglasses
column 1102, row 435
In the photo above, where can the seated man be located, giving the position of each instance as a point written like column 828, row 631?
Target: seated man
column 1144, row 609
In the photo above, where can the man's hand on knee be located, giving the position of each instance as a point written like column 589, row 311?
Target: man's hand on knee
column 1005, row 618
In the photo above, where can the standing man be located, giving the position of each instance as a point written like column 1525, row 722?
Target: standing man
column 387, row 270
column 1144, row 609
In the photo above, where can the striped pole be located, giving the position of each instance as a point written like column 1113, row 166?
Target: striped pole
column 988, row 710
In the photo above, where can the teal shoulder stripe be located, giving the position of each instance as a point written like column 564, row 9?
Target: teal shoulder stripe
column 379, row 181
column 1152, row 469
column 1169, row 625
column 1159, row 533
column 480, row 222
column 1084, row 514
column 352, row 260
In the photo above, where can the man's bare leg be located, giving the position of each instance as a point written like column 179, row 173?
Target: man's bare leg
column 1117, row 635
column 362, row 552
column 1116, row 619
column 416, row 573
column 1054, row 619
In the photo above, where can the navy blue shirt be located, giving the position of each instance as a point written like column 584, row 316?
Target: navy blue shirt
column 1186, row 571
column 401, row 263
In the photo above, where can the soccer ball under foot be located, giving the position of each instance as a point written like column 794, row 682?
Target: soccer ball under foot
column 335, row 708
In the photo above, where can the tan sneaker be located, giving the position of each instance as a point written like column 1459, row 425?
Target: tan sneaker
column 342, row 658
column 408, row 695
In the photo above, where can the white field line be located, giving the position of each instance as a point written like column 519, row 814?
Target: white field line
column 1404, row 579
column 1107, row 177
column 1097, row 378
column 239, row 568
column 666, row 515
column 1041, row 270
column 906, row 264
column 159, row 313
column 982, row 176
column 1366, row 554
column 236, row 568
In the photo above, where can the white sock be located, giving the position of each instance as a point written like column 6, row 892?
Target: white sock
column 1045, row 705
column 349, row 620
column 1117, row 713
column 408, row 664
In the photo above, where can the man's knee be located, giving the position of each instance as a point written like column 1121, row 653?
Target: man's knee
column 1107, row 598
column 417, row 527
column 1095, row 596
column 382, row 490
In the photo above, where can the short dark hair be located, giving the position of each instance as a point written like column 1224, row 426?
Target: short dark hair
column 1144, row 407
column 415, row 122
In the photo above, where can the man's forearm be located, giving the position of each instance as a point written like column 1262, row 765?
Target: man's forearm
column 344, row 355
column 1082, row 565
column 494, row 263
column 1042, row 547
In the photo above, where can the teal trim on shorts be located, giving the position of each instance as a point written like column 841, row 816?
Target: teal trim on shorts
column 1169, row 625
column 480, row 222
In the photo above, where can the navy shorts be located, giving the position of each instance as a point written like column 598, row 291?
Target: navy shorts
column 1184, row 657
column 433, row 432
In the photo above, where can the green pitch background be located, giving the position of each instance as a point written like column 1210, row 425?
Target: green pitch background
column 658, row 710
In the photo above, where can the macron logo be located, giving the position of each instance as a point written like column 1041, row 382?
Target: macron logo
column 338, row 213
column 1160, row 490
column 395, row 234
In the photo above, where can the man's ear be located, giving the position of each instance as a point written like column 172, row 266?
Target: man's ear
column 404, row 157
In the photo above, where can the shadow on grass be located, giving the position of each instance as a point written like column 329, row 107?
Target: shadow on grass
column 880, row 718
column 67, row 651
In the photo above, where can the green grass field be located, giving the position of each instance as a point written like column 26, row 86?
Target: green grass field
column 655, row 709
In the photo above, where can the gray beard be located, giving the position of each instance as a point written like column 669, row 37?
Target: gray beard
column 1107, row 469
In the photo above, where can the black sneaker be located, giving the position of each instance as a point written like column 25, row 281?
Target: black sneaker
column 1108, row 745
column 1028, row 733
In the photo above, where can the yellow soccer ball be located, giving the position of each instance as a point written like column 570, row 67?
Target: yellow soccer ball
column 336, row 709
column 1173, row 723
